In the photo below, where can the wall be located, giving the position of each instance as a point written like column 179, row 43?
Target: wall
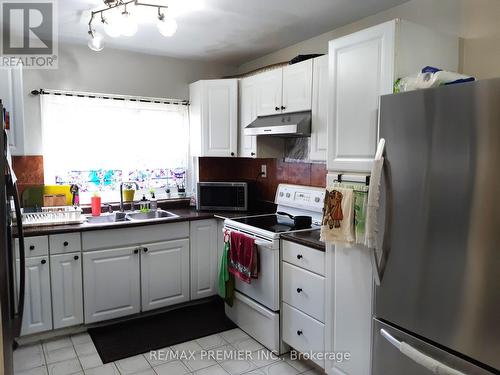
column 278, row 171
column 111, row 72
column 475, row 21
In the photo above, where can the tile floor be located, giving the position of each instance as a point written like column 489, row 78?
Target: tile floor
column 77, row 355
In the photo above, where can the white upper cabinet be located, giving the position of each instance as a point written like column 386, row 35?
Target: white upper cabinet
column 214, row 117
column 269, row 92
column 285, row 90
column 253, row 146
column 319, row 124
column 297, row 87
column 12, row 96
column 164, row 274
column 248, row 113
column 362, row 67
column 203, row 241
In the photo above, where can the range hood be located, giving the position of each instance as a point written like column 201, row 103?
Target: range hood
column 296, row 124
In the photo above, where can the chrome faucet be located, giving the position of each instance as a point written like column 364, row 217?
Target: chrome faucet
column 121, row 193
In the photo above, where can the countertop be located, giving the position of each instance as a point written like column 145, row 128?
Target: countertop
column 309, row 238
column 185, row 214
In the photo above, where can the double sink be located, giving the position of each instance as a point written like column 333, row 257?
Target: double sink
column 131, row 216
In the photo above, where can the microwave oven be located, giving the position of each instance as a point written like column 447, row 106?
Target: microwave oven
column 222, row 196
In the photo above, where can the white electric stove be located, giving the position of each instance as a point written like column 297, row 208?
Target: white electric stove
column 256, row 306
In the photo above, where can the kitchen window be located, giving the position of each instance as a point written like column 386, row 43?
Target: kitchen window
column 97, row 143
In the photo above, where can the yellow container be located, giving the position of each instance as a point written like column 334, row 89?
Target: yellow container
column 128, row 195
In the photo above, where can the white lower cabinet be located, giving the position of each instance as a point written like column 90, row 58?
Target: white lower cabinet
column 37, row 316
column 302, row 332
column 164, row 274
column 111, row 283
column 303, row 299
column 203, row 235
column 67, row 291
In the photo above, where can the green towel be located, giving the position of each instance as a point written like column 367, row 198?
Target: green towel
column 226, row 280
column 360, row 202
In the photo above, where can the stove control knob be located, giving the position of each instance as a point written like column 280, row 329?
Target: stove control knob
column 317, row 199
column 281, row 194
column 288, row 195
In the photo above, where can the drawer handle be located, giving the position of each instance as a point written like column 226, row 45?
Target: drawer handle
column 32, row 247
column 145, row 249
column 76, row 257
column 65, row 243
column 299, row 290
column 299, row 332
column 44, row 261
column 136, row 251
column 299, row 256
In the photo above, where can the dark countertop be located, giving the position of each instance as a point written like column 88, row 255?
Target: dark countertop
column 309, row 238
column 185, row 214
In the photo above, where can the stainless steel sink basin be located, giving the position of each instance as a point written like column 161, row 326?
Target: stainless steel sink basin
column 151, row 215
column 109, row 218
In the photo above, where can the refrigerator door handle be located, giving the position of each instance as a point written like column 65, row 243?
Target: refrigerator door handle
column 22, row 258
column 420, row 358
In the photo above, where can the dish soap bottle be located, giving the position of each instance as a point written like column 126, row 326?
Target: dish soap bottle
column 153, row 203
column 144, row 204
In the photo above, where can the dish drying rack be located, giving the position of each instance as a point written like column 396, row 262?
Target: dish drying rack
column 53, row 216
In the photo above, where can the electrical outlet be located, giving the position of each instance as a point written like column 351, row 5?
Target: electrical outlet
column 263, row 171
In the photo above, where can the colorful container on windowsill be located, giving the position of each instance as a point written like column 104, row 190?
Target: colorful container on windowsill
column 128, row 195
column 95, row 203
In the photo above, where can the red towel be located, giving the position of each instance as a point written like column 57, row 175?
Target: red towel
column 243, row 257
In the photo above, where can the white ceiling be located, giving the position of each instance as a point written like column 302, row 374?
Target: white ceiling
column 230, row 31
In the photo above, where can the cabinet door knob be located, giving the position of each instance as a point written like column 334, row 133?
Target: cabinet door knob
column 32, row 247
column 43, row 261
column 299, row 256
column 145, row 249
column 283, row 108
column 65, row 243
column 76, row 257
column 136, row 251
column 299, row 332
column 253, row 154
column 232, row 153
column 277, row 108
column 299, row 290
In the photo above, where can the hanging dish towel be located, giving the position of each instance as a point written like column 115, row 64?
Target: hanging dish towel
column 243, row 257
column 372, row 227
column 338, row 216
column 360, row 205
column 226, row 280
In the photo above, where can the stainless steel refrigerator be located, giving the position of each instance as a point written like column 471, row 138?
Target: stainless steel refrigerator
column 438, row 305
column 11, row 301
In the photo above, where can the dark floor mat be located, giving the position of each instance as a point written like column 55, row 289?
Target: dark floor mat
column 137, row 336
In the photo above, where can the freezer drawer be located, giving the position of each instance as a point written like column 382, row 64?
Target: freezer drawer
column 389, row 360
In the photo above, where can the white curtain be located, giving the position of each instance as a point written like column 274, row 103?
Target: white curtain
column 132, row 139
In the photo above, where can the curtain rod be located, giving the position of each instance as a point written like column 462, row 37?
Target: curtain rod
column 81, row 94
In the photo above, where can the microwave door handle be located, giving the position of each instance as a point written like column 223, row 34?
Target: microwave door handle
column 420, row 358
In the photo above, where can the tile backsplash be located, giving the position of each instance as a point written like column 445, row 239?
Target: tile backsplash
column 28, row 170
column 278, row 171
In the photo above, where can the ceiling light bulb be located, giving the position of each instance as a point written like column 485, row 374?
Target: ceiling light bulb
column 96, row 42
column 112, row 26
column 167, row 25
column 128, row 24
